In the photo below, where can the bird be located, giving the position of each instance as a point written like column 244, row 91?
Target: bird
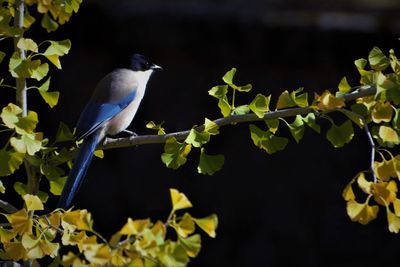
column 109, row 111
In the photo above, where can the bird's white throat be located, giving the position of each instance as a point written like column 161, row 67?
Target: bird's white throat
column 142, row 78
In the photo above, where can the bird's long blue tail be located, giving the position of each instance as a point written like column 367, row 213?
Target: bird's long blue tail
column 78, row 171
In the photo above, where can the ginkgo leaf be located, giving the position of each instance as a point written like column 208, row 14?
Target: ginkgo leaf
column 385, row 170
column 57, row 185
column 59, row 48
column 33, row 202
column 378, row 60
column 20, row 221
column 297, row 128
column 197, row 139
column 134, row 227
column 179, row 200
column 218, row 91
column 228, row 77
column 209, row 164
column 224, row 106
column 10, row 162
column 27, row 44
column 387, row 134
column 344, row 86
column 7, row 235
column 98, row 254
column 384, row 192
column 211, row 127
column 393, row 222
column 340, row 135
column 361, row 212
column 191, row 244
column 328, row 101
column 285, row 101
column 64, row 134
column 363, row 184
column 208, row 224
column 175, row 153
column 15, row 251
column 185, row 226
column 260, row 105
column 382, row 112
column 266, row 140
column 348, row 193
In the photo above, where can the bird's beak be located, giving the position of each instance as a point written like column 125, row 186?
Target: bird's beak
column 155, row 67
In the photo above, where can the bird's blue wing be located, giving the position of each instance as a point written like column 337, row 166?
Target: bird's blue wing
column 95, row 114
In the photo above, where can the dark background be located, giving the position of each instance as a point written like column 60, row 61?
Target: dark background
column 284, row 209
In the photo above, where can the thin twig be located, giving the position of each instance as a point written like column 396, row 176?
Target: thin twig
column 372, row 143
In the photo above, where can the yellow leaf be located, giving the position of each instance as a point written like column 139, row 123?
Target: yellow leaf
column 388, row 134
column 134, row 227
column 385, row 169
column 363, row 184
column 179, row 200
column 348, row 193
column 33, row 202
column 185, row 226
column 384, row 192
column 98, row 254
column 118, row 259
column 15, row 251
column 382, row 112
column 72, row 260
column 396, row 205
column 192, row 245
column 393, row 222
column 20, row 221
column 6, row 235
column 208, row 224
column 361, row 212
column 328, row 101
column 77, row 219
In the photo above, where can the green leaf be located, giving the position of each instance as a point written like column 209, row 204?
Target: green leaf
column 297, row 128
column 158, row 127
column 48, row 23
column 344, row 86
column 2, row 190
column 51, row 98
column 27, row 44
column 360, row 63
column 273, row 125
column 241, row 110
column 9, row 115
column 57, row 185
column 40, row 71
column 2, row 55
column 20, row 188
column 394, row 62
column 301, row 100
column 353, row 117
column 310, row 120
column 218, row 91
column 228, row 77
column 243, row 88
column 51, row 172
column 382, row 112
column 396, row 120
column 224, row 107
column 211, row 127
column 22, row 68
column 197, row 139
column 175, row 153
column 340, row 135
column 285, row 101
column 58, row 48
column 260, row 105
column 377, row 60
column 10, row 162
column 209, row 164
column 27, row 124
column 64, row 134
column 172, row 255
column 266, row 140
column 30, row 143
column 191, row 244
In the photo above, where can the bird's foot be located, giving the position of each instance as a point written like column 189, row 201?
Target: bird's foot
column 130, row 132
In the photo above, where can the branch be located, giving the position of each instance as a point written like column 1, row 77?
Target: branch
column 110, row 143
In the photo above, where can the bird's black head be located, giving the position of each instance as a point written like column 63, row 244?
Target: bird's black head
column 140, row 63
